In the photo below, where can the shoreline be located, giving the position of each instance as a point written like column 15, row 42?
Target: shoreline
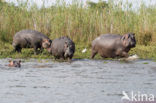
column 144, row 52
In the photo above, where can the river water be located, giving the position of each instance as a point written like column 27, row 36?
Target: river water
column 82, row 81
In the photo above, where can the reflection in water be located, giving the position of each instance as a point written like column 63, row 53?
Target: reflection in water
column 82, row 81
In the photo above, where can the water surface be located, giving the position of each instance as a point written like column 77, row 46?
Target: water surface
column 82, row 81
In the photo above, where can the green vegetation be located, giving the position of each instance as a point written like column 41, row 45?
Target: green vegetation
column 145, row 63
column 81, row 23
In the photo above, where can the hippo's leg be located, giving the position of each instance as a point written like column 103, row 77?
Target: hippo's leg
column 36, row 47
column 61, row 59
column 18, row 49
column 124, row 54
column 93, row 53
column 41, row 49
column 121, row 53
column 70, row 59
column 56, row 57
column 35, row 50
column 61, row 56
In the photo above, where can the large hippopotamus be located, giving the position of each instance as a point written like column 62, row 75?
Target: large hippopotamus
column 30, row 39
column 113, row 45
column 62, row 47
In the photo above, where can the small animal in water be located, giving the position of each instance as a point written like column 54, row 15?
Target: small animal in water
column 13, row 63
column 84, row 50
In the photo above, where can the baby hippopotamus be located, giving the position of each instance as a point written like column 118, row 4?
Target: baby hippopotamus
column 113, row 45
column 62, row 47
column 15, row 64
column 30, row 39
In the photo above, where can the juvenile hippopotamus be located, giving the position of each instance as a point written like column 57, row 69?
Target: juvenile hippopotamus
column 62, row 47
column 113, row 45
column 15, row 63
column 30, row 39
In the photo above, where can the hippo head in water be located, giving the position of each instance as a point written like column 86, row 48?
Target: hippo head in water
column 46, row 43
column 14, row 63
column 128, row 40
column 69, row 49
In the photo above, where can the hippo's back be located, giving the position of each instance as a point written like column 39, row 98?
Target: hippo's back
column 106, row 39
column 29, row 34
column 59, row 42
column 110, row 36
column 57, row 46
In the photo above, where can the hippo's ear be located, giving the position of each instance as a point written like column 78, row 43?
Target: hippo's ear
column 45, row 40
column 124, row 39
column 66, row 44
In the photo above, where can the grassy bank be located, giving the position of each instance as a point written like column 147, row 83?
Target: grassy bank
column 144, row 52
column 81, row 23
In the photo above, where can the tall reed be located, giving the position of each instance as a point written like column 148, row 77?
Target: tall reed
column 80, row 22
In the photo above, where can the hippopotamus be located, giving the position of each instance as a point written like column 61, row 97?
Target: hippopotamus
column 62, row 47
column 30, row 39
column 113, row 45
column 14, row 63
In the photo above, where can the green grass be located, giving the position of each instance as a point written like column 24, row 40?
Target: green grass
column 81, row 24
column 144, row 52
column 145, row 63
